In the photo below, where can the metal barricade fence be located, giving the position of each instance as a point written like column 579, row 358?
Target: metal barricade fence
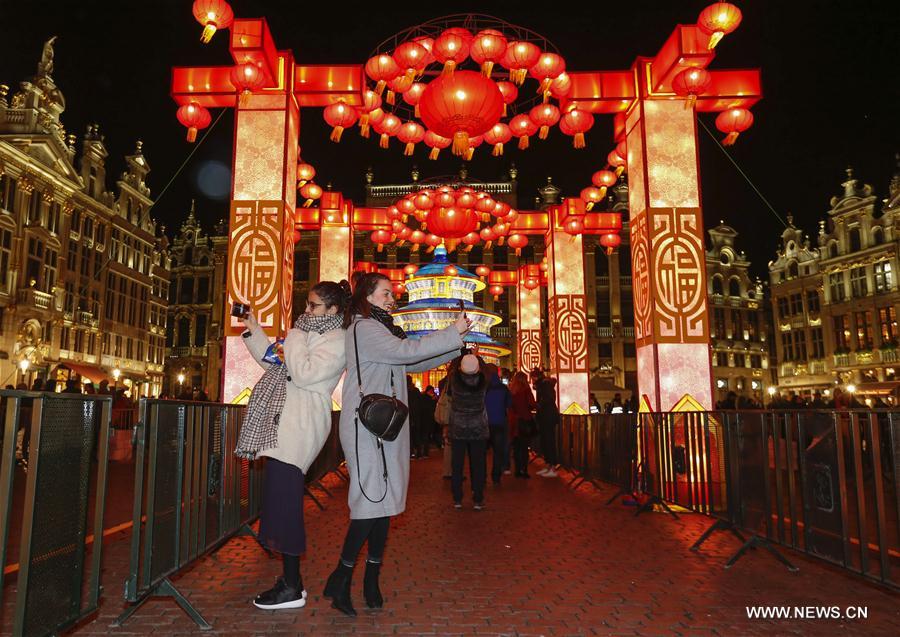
column 191, row 495
column 66, row 450
column 599, row 447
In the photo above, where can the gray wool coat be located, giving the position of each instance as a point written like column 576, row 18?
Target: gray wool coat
column 380, row 352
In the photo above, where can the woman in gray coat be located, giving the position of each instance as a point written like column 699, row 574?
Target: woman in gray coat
column 379, row 470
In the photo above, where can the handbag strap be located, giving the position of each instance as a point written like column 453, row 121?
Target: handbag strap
column 378, row 440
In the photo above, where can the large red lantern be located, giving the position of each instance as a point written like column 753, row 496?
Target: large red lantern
column 733, row 122
column 548, row 67
column 690, row 83
column 576, row 123
column 718, row 20
column 451, row 48
column 424, row 201
column 544, row 116
column 371, row 102
column 194, row 117
column 497, row 136
column 523, row 128
column 380, row 237
column 519, row 57
column 517, row 241
column 213, row 15
column 610, row 241
column 410, row 134
column 339, row 116
column 246, row 78
column 452, row 223
column 387, row 128
column 436, row 143
column 411, row 57
column 487, row 48
column 382, row 68
column 459, row 106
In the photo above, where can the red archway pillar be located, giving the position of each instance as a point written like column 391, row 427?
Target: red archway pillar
column 668, row 262
column 261, row 229
column 567, row 309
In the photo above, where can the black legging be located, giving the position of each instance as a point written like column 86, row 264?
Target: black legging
column 375, row 530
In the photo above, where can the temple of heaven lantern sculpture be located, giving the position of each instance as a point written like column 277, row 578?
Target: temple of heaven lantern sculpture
column 435, row 290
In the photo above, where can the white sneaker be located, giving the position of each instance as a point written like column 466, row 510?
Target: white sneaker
column 543, row 471
column 550, row 473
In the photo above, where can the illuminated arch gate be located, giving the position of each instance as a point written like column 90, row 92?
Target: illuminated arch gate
column 666, row 224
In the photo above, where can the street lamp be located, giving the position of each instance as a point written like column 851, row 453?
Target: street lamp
column 23, row 365
column 771, row 391
column 851, row 388
column 180, row 384
column 116, row 373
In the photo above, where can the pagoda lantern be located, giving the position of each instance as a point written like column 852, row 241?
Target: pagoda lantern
column 371, row 102
column 412, row 58
column 387, row 128
column 544, row 116
column 718, row 20
column 497, row 136
column 413, row 94
column 305, row 172
column 312, row 192
column 548, row 67
column 380, row 237
column 591, row 196
column 436, row 143
column 194, row 117
column 519, row 57
column 246, row 78
column 604, row 179
column 459, row 106
column 381, row 68
column 733, row 122
column 213, row 15
column 576, row 122
column 487, row 48
column 517, row 241
column 339, row 116
column 610, row 241
column 510, row 93
column 451, row 48
column 690, row 83
column 410, row 134
column 523, row 128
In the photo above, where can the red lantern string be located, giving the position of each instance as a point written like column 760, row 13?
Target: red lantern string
column 523, row 128
column 213, row 15
column 733, row 122
column 488, row 47
column 339, row 116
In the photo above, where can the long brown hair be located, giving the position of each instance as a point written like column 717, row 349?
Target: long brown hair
column 364, row 284
column 519, row 383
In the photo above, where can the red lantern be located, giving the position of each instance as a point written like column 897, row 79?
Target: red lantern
column 394, row 212
column 576, row 122
column 501, row 209
column 339, row 116
column 501, row 230
column 497, row 136
column 517, row 241
column 382, row 68
column 733, row 122
column 399, row 289
column 590, row 196
column 296, row 237
column 574, row 226
column 496, row 291
column 423, row 201
column 417, row 237
column 451, row 48
column 446, row 200
column 380, row 237
column 482, row 271
column 604, row 179
column 718, row 20
column 413, row 94
column 488, row 47
column 426, row 43
column 246, row 78
column 305, row 172
column 405, row 233
column 195, row 117
column 487, row 235
column 511, row 216
column 617, row 162
column 399, row 84
column 460, row 106
column 375, row 118
column 396, row 226
column 531, row 283
column 410, row 269
column 485, row 203
column 610, row 241
column 548, row 67
column 474, row 142
column 523, row 128
column 433, row 241
column 465, row 199
column 519, row 57
column 213, row 15
column 411, row 57
column 436, row 143
column 509, row 92
column 311, row 191
column 690, row 83
column 561, row 86
column 452, row 223
column 371, row 102
column 411, row 134
column 544, row 116
column 387, row 128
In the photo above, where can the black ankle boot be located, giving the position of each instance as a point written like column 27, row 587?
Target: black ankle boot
column 338, row 589
column 371, row 591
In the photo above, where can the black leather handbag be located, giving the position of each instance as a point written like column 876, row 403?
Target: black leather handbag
column 382, row 415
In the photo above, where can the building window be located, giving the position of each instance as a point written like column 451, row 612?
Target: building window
column 629, row 349
column 855, row 244
column 734, row 288
column 884, row 280
column 756, row 361
column 797, row 304
column 184, row 332
column 721, row 359
column 186, row 290
column 836, row 283
column 842, row 333
column 170, row 331
column 737, row 324
column 863, row 330
column 877, row 236
column 793, row 271
column 5, row 255
column 200, row 331
column 783, row 307
column 716, row 285
column 858, row 286
column 887, row 318
column 787, row 353
column 601, row 264
column 64, row 338
column 719, row 323
column 203, row 289
column 799, row 346
column 740, row 360
column 817, row 340
column 35, row 262
column 301, row 265
column 812, row 300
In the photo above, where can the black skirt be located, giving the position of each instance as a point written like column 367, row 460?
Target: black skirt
column 281, row 521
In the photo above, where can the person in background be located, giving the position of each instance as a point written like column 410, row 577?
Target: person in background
column 469, row 429
column 596, row 407
column 427, row 403
column 89, row 388
column 616, row 406
column 497, row 402
column 818, row 402
column 415, row 418
column 72, row 387
column 548, row 421
column 522, row 424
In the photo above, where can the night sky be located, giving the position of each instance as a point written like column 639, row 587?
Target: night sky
column 829, row 79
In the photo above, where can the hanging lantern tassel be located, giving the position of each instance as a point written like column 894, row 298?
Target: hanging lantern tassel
column 400, row 243
column 498, row 150
column 210, row 30
column 430, row 249
column 449, row 67
column 416, row 111
column 486, row 68
column 620, row 170
column 460, row 142
column 451, row 244
column 500, row 243
column 602, row 191
column 379, row 87
column 244, row 97
column 336, row 133
column 545, row 130
column 410, row 148
column 578, row 141
column 470, row 152
column 192, row 134
column 381, row 247
column 523, row 142
column 545, row 88
column 364, row 125
column 730, row 138
column 518, row 252
column 517, row 76
column 415, row 247
column 385, row 140
column 691, row 100
column 307, row 203
column 589, row 206
column 391, row 98
column 714, row 39
column 433, row 155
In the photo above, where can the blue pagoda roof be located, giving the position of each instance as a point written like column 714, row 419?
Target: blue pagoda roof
column 450, row 305
column 436, row 267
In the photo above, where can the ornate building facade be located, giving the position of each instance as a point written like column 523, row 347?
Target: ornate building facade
column 835, row 305
column 83, row 274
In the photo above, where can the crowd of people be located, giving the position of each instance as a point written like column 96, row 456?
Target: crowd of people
column 839, row 399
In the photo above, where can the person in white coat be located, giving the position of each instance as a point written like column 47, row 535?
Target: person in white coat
column 379, row 470
column 288, row 421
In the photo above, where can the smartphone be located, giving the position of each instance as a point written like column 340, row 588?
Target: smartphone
column 240, row 310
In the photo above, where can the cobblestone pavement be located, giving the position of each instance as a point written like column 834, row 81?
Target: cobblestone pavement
column 541, row 559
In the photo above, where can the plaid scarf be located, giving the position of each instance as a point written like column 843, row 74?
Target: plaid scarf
column 384, row 317
column 260, row 428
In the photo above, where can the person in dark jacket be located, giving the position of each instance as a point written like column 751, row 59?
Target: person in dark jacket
column 522, row 424
column 415, row 417
column 497, row 401
column 547, row 417
column 469, row 428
